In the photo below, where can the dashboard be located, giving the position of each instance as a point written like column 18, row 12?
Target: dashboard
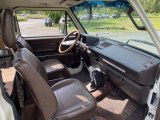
column 130, row 69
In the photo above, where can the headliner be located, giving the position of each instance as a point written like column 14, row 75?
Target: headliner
column 38, row 3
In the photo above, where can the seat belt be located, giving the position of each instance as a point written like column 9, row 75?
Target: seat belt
column 19, row 87
column 20, row 90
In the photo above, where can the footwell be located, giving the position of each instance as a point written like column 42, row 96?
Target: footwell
column 117, row 106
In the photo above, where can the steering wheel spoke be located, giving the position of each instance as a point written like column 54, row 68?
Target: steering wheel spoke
column 68, row 43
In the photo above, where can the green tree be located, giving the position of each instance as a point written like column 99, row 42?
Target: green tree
column 55, row 15
column 151, row 6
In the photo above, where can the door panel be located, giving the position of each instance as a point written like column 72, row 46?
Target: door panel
column 44, row 45
column 47, row 48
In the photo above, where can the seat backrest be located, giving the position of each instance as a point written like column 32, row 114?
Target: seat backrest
column 34, row 75
column 1, row 42
column 21, row 43
column 30, row 69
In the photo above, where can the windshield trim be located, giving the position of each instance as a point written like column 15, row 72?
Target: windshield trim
column 78, row 20
column 143, row 50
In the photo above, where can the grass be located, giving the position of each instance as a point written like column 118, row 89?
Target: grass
column 109, row 24
column 36, row 16
column 102, row 25
column 30, row 16
column 155, row 21
column 22, row 19
column 115, row 24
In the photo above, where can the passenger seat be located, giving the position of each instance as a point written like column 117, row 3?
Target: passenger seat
column 66, row 100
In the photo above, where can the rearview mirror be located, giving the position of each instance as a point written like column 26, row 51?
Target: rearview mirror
column 136, row 20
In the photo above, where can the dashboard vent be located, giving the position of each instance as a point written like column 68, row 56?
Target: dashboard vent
column 105, row 44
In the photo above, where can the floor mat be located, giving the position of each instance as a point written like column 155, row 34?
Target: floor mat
column 99, row 118
column 116, row 106
column 8, row 77
column 83, row 76
column 102, row 92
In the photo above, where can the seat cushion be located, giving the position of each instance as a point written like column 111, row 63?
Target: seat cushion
column 74, row 100
column 52, row 65
column 55, row 69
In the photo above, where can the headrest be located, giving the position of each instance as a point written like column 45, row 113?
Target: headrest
column 8, row 28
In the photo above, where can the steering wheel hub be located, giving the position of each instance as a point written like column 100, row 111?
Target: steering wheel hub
column 72, row 45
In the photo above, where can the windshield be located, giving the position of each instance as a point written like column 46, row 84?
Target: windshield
column 110, row 19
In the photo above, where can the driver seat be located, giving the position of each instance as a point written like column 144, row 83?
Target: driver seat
column 54, row 68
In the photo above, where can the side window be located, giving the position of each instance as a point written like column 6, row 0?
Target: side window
column 33, row 23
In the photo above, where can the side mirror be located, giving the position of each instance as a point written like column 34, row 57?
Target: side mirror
column 62, row 28
column 62, row 25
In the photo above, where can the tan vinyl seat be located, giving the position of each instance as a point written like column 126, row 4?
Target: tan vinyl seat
column 65, row 100
column 54, row 68
column 76, row 103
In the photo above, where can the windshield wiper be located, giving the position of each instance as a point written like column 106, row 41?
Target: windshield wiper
column 140, row 41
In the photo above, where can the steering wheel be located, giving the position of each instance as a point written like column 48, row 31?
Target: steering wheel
column 71, row 44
